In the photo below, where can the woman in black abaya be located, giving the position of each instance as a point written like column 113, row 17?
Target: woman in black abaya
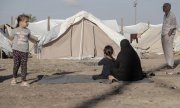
column 127, row 65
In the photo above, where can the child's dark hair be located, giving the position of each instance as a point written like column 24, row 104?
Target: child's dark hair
column 21, row 18
column 108, row 50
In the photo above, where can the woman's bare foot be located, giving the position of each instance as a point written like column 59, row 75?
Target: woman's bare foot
column 112, row 78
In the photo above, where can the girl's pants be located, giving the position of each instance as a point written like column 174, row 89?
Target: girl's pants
column 20, row 59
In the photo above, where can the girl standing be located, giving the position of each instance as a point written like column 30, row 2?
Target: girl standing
column 20, row 36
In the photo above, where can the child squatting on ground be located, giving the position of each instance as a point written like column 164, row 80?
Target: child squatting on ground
column 20, row 45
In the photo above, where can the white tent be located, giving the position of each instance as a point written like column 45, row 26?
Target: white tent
column 41, row 27
column 112, row 24
column 83, row 26
column 138, row 29
column 5, row 43
column 60, row 29
column 151, row 40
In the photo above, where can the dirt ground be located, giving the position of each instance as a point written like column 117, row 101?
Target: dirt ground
column 160, row 91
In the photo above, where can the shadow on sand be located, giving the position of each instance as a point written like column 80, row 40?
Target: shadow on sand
column 92, row 102
column 119, row 90
column 163, row 66
column 7, row 77
column 3, row 78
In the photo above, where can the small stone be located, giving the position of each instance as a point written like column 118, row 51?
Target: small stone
column 173, row 87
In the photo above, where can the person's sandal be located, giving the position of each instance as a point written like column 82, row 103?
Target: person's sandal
column 13, row 81
column 25, row 84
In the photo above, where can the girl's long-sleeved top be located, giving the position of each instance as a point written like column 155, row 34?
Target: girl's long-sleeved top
column 20, row 38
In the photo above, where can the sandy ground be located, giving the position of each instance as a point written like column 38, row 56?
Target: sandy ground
column 161, row 91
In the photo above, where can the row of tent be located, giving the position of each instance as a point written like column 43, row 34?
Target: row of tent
column 80, row 36
column 85, row 36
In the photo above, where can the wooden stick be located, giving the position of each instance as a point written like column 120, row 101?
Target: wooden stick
column 48, row 24
column 1, row 52
column 12, row 21
column 122, row 24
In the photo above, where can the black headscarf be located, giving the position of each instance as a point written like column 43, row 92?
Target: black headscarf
column 127, row 65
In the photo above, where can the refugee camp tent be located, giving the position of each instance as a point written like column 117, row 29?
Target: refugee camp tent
column 138, row 29
column 177, row 41
column 5, row 43
column 40, row 27
column 80, row 36
column 151, row 40
column 112, row 24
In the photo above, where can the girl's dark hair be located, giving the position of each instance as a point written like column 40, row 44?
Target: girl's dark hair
column 108, row 50
column 20, row 18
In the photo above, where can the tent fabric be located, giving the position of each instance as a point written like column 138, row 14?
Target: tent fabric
column 46, row 38
column 59, row 27
column 80, row 36
column 82, row 40
column 40, row 28
column 152, row 39
column 112, row 24
column 5, row 43
column 177, row 41
column 138, row 28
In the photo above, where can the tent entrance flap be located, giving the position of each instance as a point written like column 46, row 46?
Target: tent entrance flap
column 88, row 40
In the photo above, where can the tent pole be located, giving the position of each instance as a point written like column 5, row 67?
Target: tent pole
column 37, row 53
column 81, row 41
column 148, row 24
column 12, row 21
column 1, row 52
column 48, row 24
column 95, row 50
column 122, row 25
column 71, row 40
